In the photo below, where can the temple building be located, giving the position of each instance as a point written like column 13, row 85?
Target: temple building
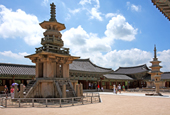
column 55, row 65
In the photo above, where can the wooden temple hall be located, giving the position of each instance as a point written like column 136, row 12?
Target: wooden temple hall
column 85, row 72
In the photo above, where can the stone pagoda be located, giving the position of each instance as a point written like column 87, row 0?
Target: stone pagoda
column 52, row 63
column 155, row 74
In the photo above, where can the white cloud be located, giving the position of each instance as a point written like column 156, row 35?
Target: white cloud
column 18, row 24
column 74, row 11
column 83, row 2
column 118, row 28
column 89, row 45
column 134, row 7
column 164, row 56
column 110, row 15
column 92, row 7
column 44, row 2
column 14, row 55
column 95, row 14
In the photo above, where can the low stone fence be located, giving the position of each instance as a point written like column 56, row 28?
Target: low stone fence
column 87, row 98
column 147, row 90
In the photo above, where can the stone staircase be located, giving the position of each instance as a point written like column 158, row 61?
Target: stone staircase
column 58, row 89
column 69, row 88
column 31, row 83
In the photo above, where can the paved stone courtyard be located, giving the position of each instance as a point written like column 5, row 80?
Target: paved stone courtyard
column 121, row 104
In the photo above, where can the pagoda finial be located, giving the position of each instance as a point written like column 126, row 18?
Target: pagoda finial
column 52, row 12
column 155, row 57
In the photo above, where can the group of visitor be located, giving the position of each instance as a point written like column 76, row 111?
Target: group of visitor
column 11, row 91
column 118, row 88
column 92, row 85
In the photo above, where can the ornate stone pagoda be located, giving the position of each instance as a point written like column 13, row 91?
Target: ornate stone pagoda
column 52, row 62
column 155, row 72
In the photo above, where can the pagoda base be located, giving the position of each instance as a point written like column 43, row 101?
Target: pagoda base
column 50, row 88
column 153, row 94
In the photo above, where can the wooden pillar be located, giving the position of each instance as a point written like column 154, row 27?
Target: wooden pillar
column 87, row 84
column 13, row 79
column 127, row 84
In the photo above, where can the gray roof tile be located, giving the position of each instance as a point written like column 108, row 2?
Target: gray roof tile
column 16, row 69
column 84, row 65
column 132, row 70
column 117, row 76
column 165, row 75
column 87, row 66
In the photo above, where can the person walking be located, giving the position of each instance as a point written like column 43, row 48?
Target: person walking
column 123, row 88
column 114, row 88
column 98, row 87
column 119, row 88
column 6, row 91
column 12, row 92
column 89, row 85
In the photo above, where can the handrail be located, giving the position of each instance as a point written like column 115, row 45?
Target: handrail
column 74, row 93
column 58, row 88
column 32, row 88
column 72, row 100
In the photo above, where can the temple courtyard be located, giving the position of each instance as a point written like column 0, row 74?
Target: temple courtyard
column 126, row 103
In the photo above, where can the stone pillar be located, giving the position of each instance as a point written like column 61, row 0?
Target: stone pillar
column 157, row 88
column 54, row 69
column 77, row 90
column 64, row 91
column 57, row 70
column 74, row 85
column 37, row 70
column 21, row 91
column 61, row 69
column 50, row 70
column 45, row 69
column 65, row 70
column 81, row 89
column 15, row 91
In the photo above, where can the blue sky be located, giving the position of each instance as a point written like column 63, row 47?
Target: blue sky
column 111, row 33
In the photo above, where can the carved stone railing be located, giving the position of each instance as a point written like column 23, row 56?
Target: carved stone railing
column 51, row 40
column 53, row 48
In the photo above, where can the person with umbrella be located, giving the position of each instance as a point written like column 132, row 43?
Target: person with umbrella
column 12, row 92
column 13, row 89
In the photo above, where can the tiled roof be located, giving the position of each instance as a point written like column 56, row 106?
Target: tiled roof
column 117, row 76
column 132, row 70
column 165, row 75
column 83, row 65
column 86, row 65
column 163, row 6
column 16, row 69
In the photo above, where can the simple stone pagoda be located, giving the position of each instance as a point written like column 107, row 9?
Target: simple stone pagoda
column 52, row 63
column 155, row 73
